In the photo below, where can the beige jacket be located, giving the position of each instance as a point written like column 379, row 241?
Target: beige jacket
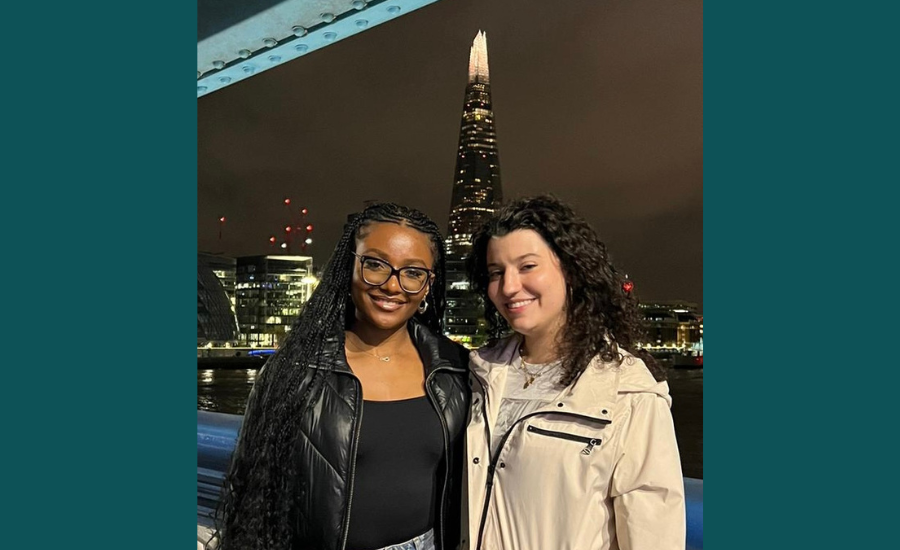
column 597, row 469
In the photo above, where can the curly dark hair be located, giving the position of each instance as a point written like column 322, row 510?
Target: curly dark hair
column 601, row 317
column 255, row 509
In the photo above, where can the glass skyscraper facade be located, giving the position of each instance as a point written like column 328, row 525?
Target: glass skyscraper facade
column 270, row 291
column 477, row 192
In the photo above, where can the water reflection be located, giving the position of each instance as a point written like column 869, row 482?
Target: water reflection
column 224, row 390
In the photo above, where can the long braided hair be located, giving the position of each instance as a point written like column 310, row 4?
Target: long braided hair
column 600, row 316
column 256, row 507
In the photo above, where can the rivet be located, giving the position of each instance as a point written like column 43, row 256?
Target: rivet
column 269, row 42
column 248, row 69
column 274, row 58
column 301, row 47
column 219, row 64
column 329, row 36
column 393, row 9
column 503, row 464
column 244, row 54
column 358, row 4
column 201, row 88
column 225, row 79
column 327, row 17
column 362, row 23
column 603, row 411
column 475, row 460
column 559, row 404
column 298, row 30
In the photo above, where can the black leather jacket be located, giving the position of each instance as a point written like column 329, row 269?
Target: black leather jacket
column 328, row 438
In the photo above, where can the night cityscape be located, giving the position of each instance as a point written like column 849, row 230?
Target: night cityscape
column 603, row 110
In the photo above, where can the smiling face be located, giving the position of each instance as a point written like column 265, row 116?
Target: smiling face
column 526, row 283
column 388, row 307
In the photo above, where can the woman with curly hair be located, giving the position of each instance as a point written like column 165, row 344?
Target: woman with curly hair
column 570, row 442
column 352, row 438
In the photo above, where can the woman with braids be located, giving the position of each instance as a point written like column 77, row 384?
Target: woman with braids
column 570, row 442
column 353, row 434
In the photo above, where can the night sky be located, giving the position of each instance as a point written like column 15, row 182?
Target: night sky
column 598, row 101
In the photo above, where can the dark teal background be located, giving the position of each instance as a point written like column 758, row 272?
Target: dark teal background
column 800, row 210
column 99, row 223
column 99, row 226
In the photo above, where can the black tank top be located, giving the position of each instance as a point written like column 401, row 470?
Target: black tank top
column 396, row 486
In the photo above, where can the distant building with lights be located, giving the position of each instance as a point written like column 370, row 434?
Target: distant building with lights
column 477, row 193
column 672, row 325
column 216, row 322
column 269, row 292
column 224, row 269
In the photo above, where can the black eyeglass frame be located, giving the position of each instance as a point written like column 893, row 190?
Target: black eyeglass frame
column 394, row 271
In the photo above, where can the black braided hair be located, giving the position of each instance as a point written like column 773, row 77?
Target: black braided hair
column 256, row 504
column 600, row 316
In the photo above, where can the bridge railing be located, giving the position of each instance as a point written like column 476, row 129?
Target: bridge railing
column 217, row 433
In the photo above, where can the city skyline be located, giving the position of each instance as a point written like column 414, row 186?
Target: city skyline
column 601, row 106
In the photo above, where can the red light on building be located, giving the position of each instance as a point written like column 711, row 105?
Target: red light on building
column 222, row 219
column 272, row 240
column 309, row 228
column 627, row 286
column 287, row 201
column 287, row 229
column 304, row 211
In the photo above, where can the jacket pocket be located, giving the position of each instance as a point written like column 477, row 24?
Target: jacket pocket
column 590, row 442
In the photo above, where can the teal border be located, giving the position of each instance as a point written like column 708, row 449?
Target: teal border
column 99, row 187
column 800, row 178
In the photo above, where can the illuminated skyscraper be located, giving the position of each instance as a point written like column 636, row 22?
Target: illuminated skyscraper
column 476, row 181
column 476, row 194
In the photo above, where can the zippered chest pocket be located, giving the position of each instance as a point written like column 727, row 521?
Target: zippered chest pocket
column 589, row 442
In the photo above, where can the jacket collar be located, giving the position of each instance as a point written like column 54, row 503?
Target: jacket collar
column 593, row 394
column 426, row 342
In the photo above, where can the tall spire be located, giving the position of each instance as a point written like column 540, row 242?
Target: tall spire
column 477, row 193
column 478, row 60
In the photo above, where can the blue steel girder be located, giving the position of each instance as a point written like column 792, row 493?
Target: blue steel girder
column 237, row 39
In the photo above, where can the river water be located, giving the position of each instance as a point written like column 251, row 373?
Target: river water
column 225, row 386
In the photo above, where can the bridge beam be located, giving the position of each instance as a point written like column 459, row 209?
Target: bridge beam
column 238, row 39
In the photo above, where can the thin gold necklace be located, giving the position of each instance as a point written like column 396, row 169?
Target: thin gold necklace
column 384, row 358
column 530, row 377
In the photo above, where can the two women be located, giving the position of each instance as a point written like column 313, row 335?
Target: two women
column 570, row 442
column 352, row 437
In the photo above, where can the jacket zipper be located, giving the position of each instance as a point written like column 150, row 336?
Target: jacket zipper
column 591, row 441
column 353, row 452
column 493, row 465
column 445, row 431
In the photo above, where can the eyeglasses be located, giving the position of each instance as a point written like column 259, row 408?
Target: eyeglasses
column 377, row 272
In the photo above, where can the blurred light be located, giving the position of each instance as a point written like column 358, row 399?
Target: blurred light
column 287, row 201
column 308, row 241
column 287, row 228
column 309, row 227
column 304, row 211
column 272, row 240
column 222, row 219
column 283, row 245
